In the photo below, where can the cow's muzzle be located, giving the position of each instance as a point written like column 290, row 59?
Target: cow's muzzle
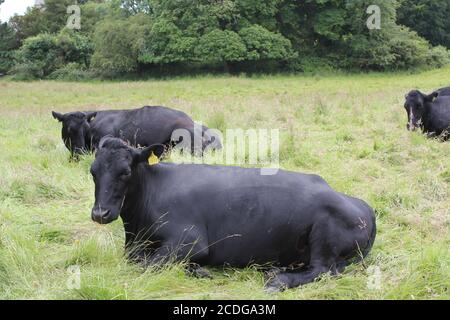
column 101, row 216
column 413, row 126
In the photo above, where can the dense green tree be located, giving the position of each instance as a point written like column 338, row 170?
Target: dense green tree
column 75, row 47
column 338, row 32
column 166, row 43
column 214, row 32
column 221, row 46
column 39, row 56
column 119, row 37
column 263, row 12
column 45, row 53
column 93, row 12
column 8, row 43
column 391, row 47
column 28, row 25
column 118, row 43
column 134, row 6
column 262, row 44
column 53, row 16
column 429, row 18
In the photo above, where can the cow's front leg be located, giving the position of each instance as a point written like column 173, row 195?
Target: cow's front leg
column 135, row 255
column 177, row 253
column 192, row 249
column 159, row 257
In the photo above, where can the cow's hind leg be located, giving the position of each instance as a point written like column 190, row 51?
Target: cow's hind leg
column 286, row 280
column 326, row 244
column 322, row 261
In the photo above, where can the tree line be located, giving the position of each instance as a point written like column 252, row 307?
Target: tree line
column 137, row 37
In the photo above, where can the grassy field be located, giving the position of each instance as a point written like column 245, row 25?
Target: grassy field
column 349, row 129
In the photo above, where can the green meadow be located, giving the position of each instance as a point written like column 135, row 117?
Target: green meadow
column 350, row 129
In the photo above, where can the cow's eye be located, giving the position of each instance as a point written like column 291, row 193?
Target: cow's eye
column 126, row 173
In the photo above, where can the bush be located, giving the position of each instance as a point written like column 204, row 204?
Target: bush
column 408, row 50
column 439, row 56
column 27, row 71
column 396, row 49
column 311, row 64
column 71, row 72
column 42, row 55
column 262, row 44
column 393, row 47
column 411, row 51
column 221, row 46
column 39, row 56
column 6, row 61
column 75, row 47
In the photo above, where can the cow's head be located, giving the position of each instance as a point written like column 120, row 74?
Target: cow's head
column 75, row 130
column 415, row 106
column 113, row 171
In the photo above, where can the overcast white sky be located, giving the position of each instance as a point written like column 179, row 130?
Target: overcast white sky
column 11, row 7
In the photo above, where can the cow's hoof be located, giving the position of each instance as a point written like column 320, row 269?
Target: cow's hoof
column 198, row 272
column 275, row 285
column 203, row 274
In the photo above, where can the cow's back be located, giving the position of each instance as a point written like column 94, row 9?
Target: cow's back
column 140, row 127
column 105, row 123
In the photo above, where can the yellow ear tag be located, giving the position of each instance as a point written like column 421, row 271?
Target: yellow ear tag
column 152, row 160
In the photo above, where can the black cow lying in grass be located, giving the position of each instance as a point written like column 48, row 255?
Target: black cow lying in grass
column 443, row 91
column 431, row 112
column 216, row 215
column 82, row 131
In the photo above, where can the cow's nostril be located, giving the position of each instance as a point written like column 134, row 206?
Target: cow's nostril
column 105, row 214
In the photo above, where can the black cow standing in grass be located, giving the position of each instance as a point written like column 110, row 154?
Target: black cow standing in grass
column 431, row 112
column 216, row 215
column 82, row 131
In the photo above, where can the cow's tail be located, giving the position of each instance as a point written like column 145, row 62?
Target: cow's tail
column 363, row 252
column 372, row 236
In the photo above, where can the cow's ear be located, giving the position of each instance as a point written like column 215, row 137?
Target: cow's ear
column 431, row 97
column 151, row 154
column 58, row 116
column 90, row 116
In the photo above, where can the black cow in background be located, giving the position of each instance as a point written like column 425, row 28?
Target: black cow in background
column 82, row 131
column 430, row 112
column 216, row 215
column 443, row 91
